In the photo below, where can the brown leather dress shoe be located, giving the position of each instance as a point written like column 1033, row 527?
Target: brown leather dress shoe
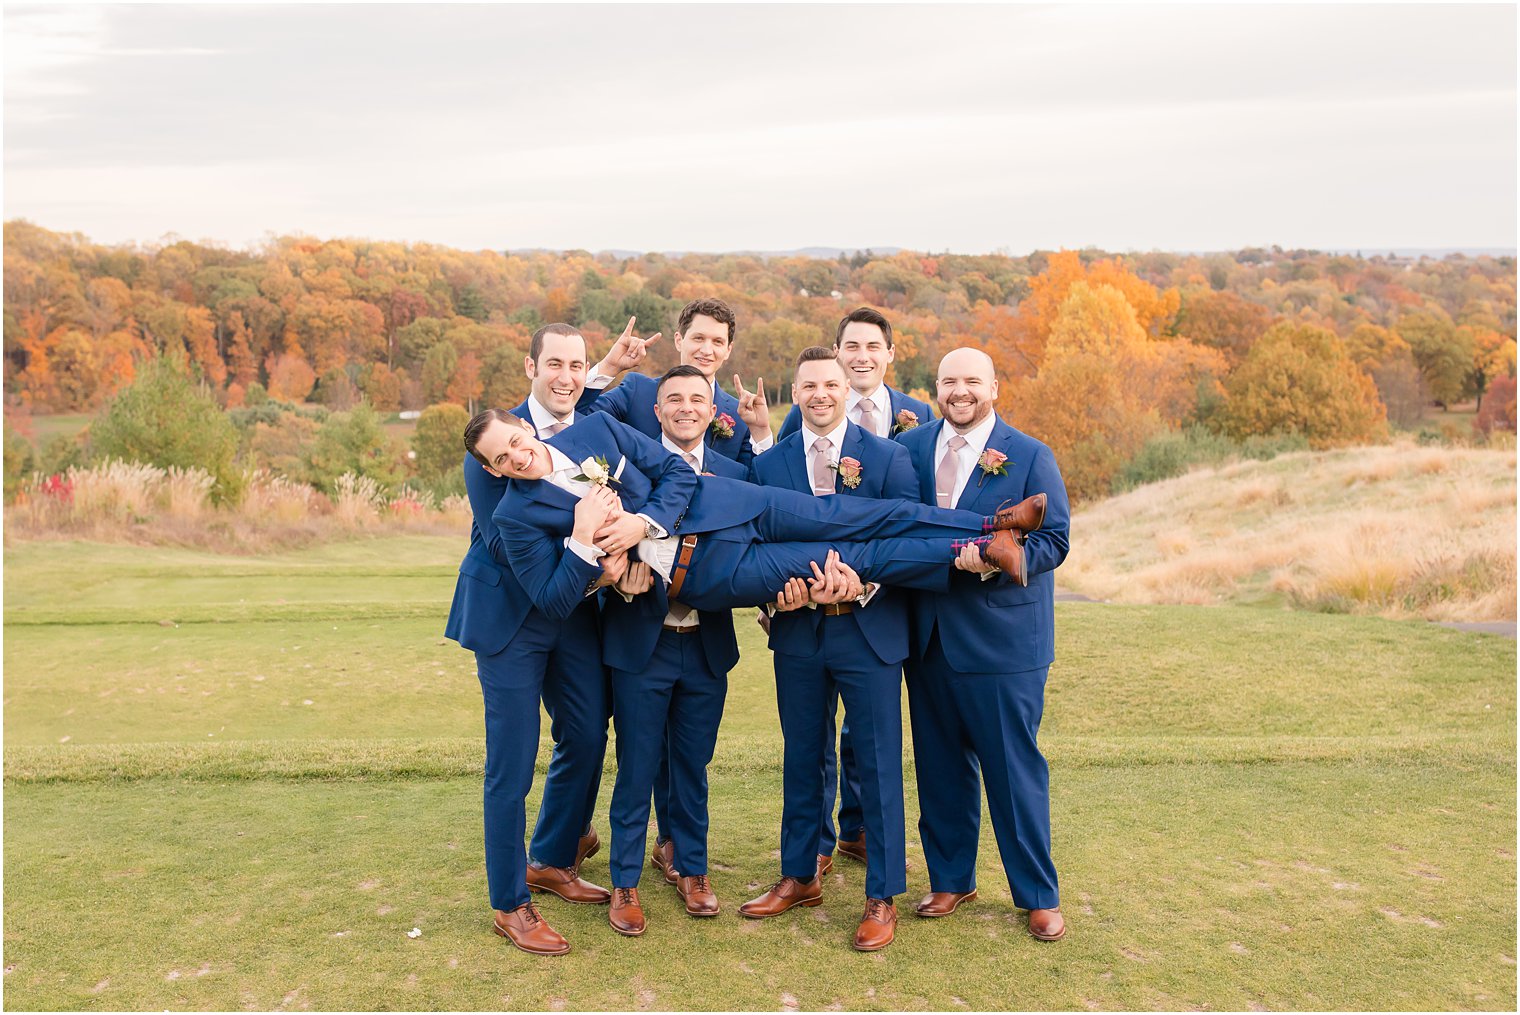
column 663, row 858
column 525, row 928
column 589, row 845
column 942, row 903
column 696, row 891
column 854, row 847
column 781, row 896
column 1026, row 516
column 1006, row 553
column 564, row 882
column 825, row 864
column 877, row 926
column 1047, row 924
column 626, row 915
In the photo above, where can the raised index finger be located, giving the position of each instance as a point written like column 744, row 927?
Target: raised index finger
column 739, row 386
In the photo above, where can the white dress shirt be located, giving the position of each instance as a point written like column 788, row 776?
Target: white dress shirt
column 542, row 419
column 658, row 553
column 882, row 399
column 699, row 452
column 976, row 443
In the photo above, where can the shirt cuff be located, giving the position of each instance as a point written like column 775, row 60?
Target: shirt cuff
column 589, row 554
column 989, row 575
column 765, row 445
column 599, row 381
column 659, row 529
column 626, row 597
column 870, row 593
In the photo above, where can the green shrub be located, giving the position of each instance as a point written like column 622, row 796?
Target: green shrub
column 439, row 440
column 162, row 419
column 1173, row 452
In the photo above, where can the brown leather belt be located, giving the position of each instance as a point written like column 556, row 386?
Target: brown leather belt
column 836, row 609
column 688, row 629
column 683, row 563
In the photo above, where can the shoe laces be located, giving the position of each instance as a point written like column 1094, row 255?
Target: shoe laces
column 529, row 912
column 700, row 883
column 625, row 896
column 876, row 909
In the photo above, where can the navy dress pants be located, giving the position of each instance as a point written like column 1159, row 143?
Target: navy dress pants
column 841, row 776
column 561, row 665
column 872, row 693
column 672, row 707
column 971, row 729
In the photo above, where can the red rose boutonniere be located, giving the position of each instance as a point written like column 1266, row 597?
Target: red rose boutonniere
column 991, row 463
column 906, row 420
column 723, row 426
column 849, row 472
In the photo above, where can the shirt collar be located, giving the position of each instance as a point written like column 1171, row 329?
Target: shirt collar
column 976, row 439
column 698, row 451
column 835, row 436
column 542, row 418
column 560, row 461
column 879, row 398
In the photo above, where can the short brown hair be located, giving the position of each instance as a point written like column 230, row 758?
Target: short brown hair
column 814, row 353
column 536, row 343
column 478, row 423
column 865, row 315
column 716, row 309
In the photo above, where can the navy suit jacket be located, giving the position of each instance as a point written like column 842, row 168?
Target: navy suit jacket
column 632, row 630
column 632, row 402
column 997, row 626
column 489, row 602
column 886, row 470
column 900, row 401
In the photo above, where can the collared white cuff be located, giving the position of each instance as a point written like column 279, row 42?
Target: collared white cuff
column 762, row 445
column 599, row 381
column 650, row 523
column 589, row 554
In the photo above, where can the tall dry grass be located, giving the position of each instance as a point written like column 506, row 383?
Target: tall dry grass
column 1395, row 531
column 131, row 502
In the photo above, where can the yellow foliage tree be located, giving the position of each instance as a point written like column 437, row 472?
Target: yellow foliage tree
column 1299, row 379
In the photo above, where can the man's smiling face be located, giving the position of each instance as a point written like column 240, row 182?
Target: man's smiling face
column 864, row 354
column 685, row 409
column 705, row 344
column 966, row 388
column 513, row 451
column 559, row 376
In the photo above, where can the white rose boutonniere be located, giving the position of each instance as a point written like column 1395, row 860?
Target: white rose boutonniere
column 595, row 472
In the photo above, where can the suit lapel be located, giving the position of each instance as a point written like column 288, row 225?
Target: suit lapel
column 926, row 463
column 854, row 447
column 796, row 463
column 980, row 482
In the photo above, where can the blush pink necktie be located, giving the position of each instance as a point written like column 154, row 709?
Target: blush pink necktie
column 867, row 418
column 823, row 476
column 949, row 467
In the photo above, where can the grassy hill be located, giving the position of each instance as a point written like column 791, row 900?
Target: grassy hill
column 1393, row 531
column 238, row 782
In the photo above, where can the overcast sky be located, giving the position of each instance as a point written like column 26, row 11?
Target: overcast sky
column 968, row 129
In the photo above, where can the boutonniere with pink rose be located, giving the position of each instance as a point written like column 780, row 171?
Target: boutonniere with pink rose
column 907, row 419
column 723, row 426
column 849, row 471
column 992, row 463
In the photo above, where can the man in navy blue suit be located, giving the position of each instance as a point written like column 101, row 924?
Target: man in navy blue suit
column 520, row 658
column 670, row 668
column 850, row 650
column 704, row 340
column 863, row 343
column 741, row 427
column 976, row 679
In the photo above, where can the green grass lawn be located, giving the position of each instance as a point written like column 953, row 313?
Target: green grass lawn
column 238, row 782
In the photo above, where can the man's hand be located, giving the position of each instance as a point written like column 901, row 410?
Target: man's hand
column 626, row 353
column 753, row 409
column 614, row 566
column 970, row 559
column 793, row 596
column 618, row 534
column 833, row 584
column 637, row 579
column 592, row 512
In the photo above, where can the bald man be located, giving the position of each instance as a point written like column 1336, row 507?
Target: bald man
column 981, row 653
